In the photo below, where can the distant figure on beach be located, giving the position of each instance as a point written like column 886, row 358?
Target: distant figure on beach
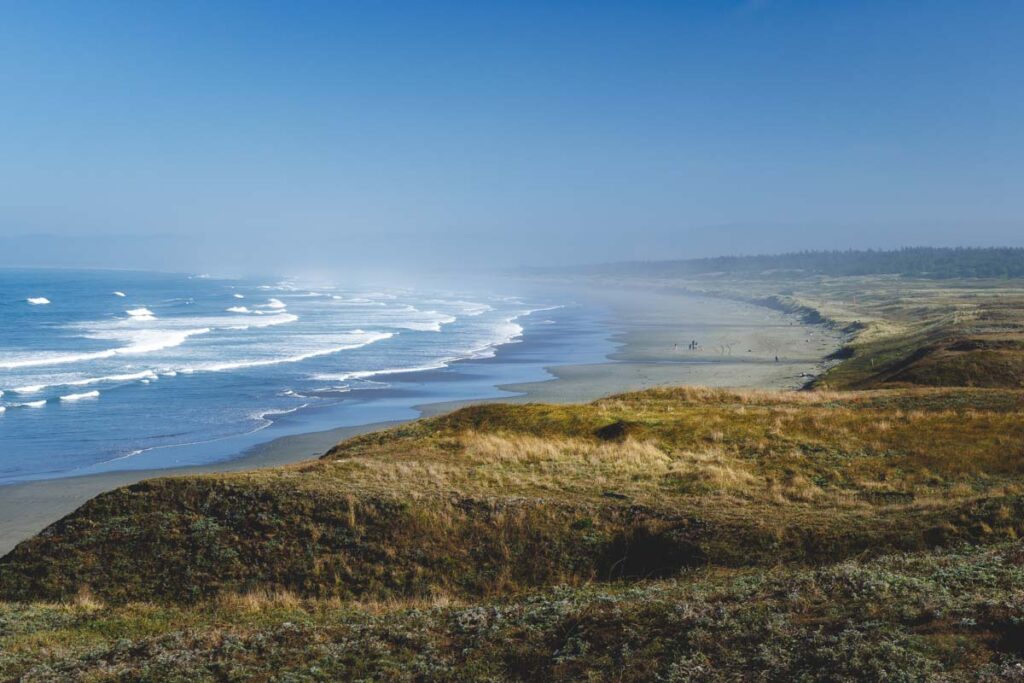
column 776, row 359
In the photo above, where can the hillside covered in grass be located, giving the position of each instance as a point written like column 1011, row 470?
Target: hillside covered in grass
column 686, row 534
column 499, row 498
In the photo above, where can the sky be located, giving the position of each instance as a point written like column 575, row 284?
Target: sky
column 257, row 134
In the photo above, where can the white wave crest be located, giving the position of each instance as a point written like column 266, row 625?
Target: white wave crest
column 37, row 300
column 238, row 296
column 141, row 313
column 137, row 342
column 275, row 304
column 507, row 331
column 30, row 404
column 367, row 339
column 120, row 294
column 145, row 376
column 238, row 309
column 79, row 397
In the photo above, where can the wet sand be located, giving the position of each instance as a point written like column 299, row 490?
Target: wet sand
column 738, row 348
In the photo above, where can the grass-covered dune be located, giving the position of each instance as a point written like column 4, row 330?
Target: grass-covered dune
column 499, row 499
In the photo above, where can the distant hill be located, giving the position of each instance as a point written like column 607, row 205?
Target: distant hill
column 926, row 262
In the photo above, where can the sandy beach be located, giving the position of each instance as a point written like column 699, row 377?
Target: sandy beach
column 738, row 345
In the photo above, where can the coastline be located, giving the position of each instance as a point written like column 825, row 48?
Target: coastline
column 737, row 348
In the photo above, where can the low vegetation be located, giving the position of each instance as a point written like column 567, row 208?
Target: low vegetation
column 945, row 615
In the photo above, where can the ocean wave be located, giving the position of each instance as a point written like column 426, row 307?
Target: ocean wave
column 426, row 326
column 275, row 304
column 368, row 338
column 37, row 300
column 366, row 374
column 141, row 313
column 470, row 308
column 29, row 404
column 508, row 331
column 145, row 375
column 79, row 397
column 29, row 389
column 238, row 296
column 238, row 309
column 414, row 319
column 138, row 342
column 120, row 294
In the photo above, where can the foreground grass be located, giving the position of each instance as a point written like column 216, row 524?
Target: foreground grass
column 493, row 500
column 942, row 615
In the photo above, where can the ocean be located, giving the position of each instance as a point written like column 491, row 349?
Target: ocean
column 108, row 370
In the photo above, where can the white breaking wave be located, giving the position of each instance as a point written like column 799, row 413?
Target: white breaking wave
column 276, row 304
column 29, row 404
column 139, row 342
column 141, row 313
column 120, row 294
column 370, row 338
column 145, row 375
column 37, row 300
column 507, row 332
column 238, row 296
column 470, row 308
column 364, row 374
column 79, row 397
column 425, row 326
column 238, row 309
column 29, row 389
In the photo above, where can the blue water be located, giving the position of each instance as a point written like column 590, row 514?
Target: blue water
column 109, row 370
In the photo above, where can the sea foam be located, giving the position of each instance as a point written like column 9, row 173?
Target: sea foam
column 37, row 300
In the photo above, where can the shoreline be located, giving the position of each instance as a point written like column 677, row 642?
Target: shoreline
column 645, row 356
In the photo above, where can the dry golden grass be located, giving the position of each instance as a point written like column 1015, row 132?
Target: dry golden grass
column 678, row 444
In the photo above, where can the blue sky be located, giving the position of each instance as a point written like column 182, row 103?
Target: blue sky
column 283, row 133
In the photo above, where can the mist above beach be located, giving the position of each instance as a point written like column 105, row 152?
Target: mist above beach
column 404, row 135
